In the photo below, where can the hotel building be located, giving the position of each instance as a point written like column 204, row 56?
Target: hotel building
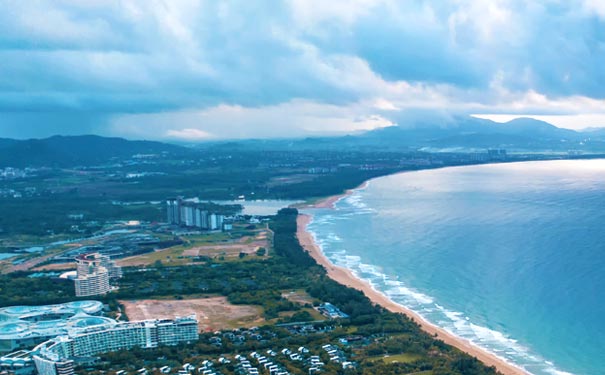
column 93, row 274
column 26, row 326
column 55, row 357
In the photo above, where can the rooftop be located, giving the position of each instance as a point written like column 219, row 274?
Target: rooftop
column 17, row 322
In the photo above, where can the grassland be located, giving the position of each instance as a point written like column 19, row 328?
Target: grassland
column 396, row 358
column 213, row 313
column 219, row 246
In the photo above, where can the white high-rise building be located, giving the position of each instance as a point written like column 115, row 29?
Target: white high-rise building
column 93, row 284
column 173, row 210
column 192, row 214
column 189, row 215
column 93, row 273
column 55, row 357
column 204, row 219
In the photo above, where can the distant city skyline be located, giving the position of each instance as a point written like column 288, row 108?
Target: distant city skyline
column 196, row 70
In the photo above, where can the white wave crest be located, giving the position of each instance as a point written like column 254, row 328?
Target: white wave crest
column 355, row 200
column 407, row 292
column 455, row 322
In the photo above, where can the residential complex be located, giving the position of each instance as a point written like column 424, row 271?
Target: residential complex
column 55, row 357
column 191, row 214
column 94, row 272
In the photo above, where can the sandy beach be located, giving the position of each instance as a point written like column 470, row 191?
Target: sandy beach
column 346, row 277
column 329, row 202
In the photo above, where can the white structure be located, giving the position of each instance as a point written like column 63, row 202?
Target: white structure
column 55, row 357
column 93, row 284
column 93, row 274
column 173, row 210
column 189, row 215
column 20, row 362
column 26, row 326
column 192, row 214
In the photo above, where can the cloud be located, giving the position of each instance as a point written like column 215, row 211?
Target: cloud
column 291, row 119
column 188, row 134
column 169, row 62
column 595, row 6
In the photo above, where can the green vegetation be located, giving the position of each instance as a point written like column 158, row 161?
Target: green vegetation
column 261, row 282
column 19, row 289
column 403, row 358
column 43, row 216
column 107, row 192
column 78, row 191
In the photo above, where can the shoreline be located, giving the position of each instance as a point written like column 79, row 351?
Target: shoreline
column 328, row 202
column 346, row 277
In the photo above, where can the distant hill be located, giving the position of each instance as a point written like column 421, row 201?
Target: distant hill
column 437, row 132
column 537, row 129
column 593, row 132
column 469, row 132
column 429, row 133
column 65, row 151
column 5, row 142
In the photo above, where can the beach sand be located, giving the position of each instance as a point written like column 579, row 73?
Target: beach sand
column 346, row 277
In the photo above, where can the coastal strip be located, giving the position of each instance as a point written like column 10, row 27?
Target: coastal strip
column 346, row 277
column 329, row 202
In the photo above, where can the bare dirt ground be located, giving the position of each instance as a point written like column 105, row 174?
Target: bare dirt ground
column 213, row 313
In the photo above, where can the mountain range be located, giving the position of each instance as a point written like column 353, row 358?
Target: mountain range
column 65, row 151
column 524, row 134
column 458, row 133
column 429, row 134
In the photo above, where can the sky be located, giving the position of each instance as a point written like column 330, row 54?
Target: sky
column 202, row 70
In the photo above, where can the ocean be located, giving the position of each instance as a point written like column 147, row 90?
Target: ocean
column 509, row 256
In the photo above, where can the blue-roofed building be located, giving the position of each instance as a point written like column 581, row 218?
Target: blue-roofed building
column 331, row 311
column 27, row 326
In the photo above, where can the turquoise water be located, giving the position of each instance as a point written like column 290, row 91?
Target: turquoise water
column 508, row 256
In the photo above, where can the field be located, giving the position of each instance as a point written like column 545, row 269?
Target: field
column 219, row 246
column 213, row 313
column 56, row 267
column 397, row 358
column 298, row 296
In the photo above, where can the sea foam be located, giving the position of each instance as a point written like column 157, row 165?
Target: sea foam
column 455, row 322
